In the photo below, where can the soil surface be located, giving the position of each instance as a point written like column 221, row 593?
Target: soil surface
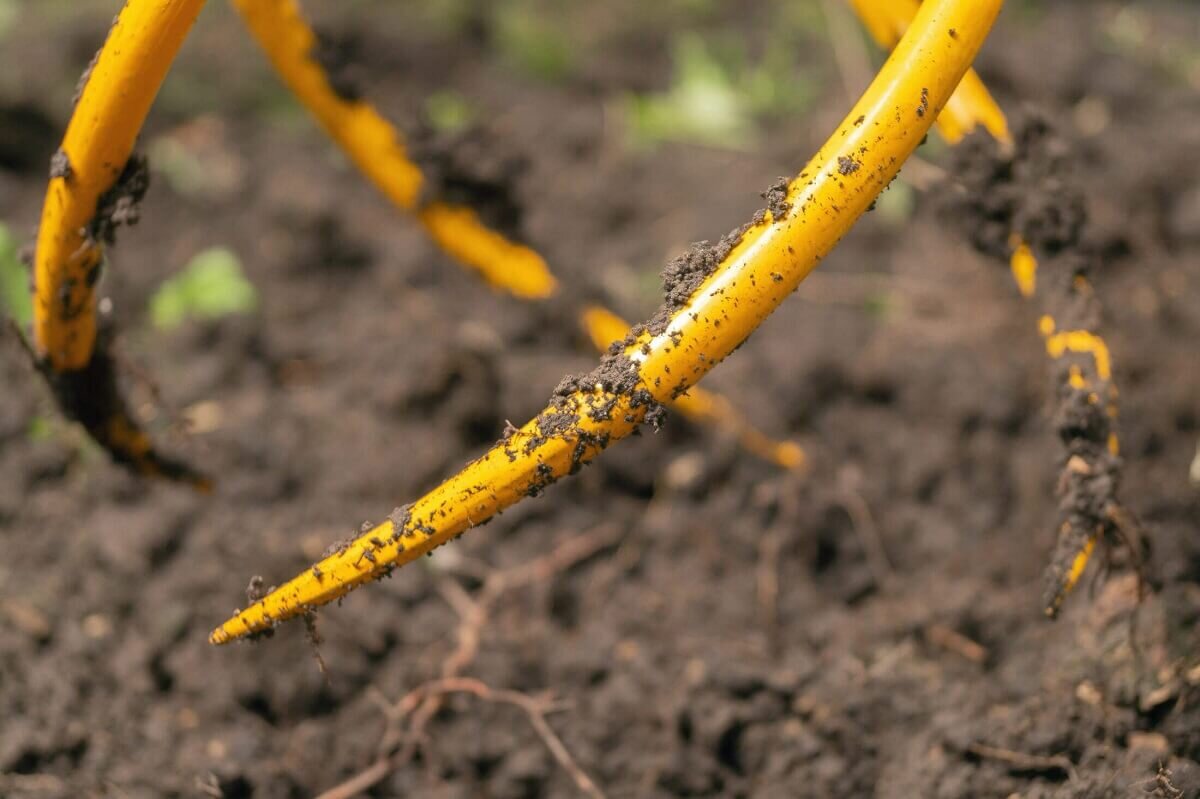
column 873, row 628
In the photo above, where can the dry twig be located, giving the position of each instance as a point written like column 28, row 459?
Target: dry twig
column 952, row 640
column 408, row 718
column 1022, row 761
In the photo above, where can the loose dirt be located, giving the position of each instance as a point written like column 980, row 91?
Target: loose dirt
column 743, row 638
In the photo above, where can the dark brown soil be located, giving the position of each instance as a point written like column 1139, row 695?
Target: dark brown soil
column 473, row 167
column 1033, row 191
column 871, row 629
column 339, row 56
column 91, row 396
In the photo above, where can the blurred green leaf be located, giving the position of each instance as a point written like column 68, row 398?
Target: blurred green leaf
column 777, row 87
column 448, row 16
column 717, row 97
column 182, row 169
column 40, row 428
column 8, row 16
column 877, row 305
column 14, row 281
column 531, row 43
column 805, row 18
column 897, row 203
column 692, row 8
column 448, row 111
column 211, row 286
column 702, row 106
column 197, row 160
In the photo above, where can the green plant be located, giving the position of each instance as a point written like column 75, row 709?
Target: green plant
column 210, row 286
column 14, row 281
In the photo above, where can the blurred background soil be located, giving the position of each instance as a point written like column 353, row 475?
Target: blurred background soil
column 902, row 653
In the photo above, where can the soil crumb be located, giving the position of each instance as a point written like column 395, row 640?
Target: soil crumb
column 337, row 55
column 472, row 169
column 121, row 204
column 618, row 375
column 60, row 165
column 1029, row 192
column 82, row 83
column 400, row 519
column 595, row 395
column 256, row 589
column 777, row 198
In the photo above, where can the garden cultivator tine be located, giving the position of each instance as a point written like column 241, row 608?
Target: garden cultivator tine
column 1087, row 396
column 377, row 148
column 95, row 184
column 970, row 106
column 716, row 295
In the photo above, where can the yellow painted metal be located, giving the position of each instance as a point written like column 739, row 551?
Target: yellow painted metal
column 115, row 98
column 831, row 192
column 1024, row 267
column 503, row 263
column 705, row 407
column 971, row 104
column 1081, row 341
column 1071, row 578
column 114, row 102
column 377, row 149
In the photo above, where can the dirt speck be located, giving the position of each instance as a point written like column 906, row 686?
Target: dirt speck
column 400, row 518
column 81, row 84
column 256, row 589
column 60, row 165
